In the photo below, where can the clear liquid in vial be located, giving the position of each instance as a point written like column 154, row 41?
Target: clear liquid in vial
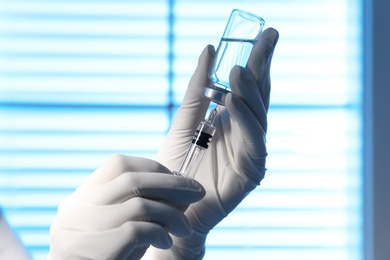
column 230, row 52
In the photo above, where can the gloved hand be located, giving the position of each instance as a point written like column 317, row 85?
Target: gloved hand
column 126, row 205
column 234, row 163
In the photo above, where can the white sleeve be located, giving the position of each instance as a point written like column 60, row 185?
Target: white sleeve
column 10, row 245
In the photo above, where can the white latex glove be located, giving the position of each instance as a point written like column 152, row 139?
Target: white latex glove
column 126, row 205
column 234, row 163
column 10, row 245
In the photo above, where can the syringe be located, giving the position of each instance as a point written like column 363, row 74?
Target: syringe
column 198, row 146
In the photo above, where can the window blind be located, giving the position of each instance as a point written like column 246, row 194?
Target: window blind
column 82, row 80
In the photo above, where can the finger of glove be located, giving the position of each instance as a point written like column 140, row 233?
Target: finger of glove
column 116, row 243
column 141, row 234
column 118, row 164
column 190, row 113
column 252, row 161
column 194, row 105
column 156, row 186
column 90, row 218
column 244, row 85
column 259, row 62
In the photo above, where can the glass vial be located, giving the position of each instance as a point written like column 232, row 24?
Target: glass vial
column 241, row 32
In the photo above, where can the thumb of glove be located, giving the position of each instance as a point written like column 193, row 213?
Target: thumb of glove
column 190, row 113
column 194, row 105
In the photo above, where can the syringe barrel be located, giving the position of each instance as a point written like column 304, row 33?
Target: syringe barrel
column 192, row 161
column 199, row 144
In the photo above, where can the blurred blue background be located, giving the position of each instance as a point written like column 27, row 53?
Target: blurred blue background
column 81, row 80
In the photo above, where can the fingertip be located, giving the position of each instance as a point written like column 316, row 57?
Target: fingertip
column 229, row 101
column 164, row 241
column 197, row 188
column 265, row 46
column 260, row 59
column 242, row 82
column 232, row 104
column 235, row 73
column 147, row 233
column 198, row 81
column 201, row 191
column 210, row 50
column 271, row 35
column 207, row 53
